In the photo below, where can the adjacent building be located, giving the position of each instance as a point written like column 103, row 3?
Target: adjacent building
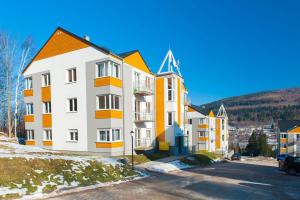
column 289, row 137
column 208, row 132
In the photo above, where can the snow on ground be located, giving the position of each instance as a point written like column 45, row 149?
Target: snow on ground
column 17, row 148
column 168, row 167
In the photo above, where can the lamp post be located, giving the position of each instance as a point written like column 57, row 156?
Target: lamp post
column 132, row 135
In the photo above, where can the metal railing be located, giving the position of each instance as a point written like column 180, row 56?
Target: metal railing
column 143, row 142
column 143, row 116
column 143, row 87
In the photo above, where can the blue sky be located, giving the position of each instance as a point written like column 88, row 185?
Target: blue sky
column 226, row 48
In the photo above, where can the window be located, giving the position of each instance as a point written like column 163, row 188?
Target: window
column 223, row 138
column 108, row 68
column 223, row 124
column 108, row 101
column 28, row 83
column 46, row 80
column 73, row 135
column 138, row 137
column 30, row 134
column 298, row 137
column 283, row 135
column 202, row 133
column 148, row 83
column 47, row 107
column 109, row 135
column 48, row 134
column 71, row 75
column 190, row 121
column 202, row 121
column 148, row 107
column 171, row 117
column 171, row 89
column 72, row 105
column 29, row 109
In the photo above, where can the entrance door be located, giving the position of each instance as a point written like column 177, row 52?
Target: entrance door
column 179, row 143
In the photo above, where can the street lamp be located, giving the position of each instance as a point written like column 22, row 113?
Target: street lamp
column 132, row 135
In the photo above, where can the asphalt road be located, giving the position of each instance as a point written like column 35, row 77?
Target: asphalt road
column 249, row 179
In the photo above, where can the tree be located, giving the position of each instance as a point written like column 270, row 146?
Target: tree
column 12, row 61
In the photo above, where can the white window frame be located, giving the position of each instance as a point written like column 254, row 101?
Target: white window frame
column 109, row 137
column 47, row 107
column 172, row 117
column 171, row 91
column 30, row 135
column 46, row 80
column 28, row 83
column 47, row 134
column 73, row 75
column 108, row 71
column 75, row 132
column 74, row 101
column 111, row 102
column 29, row 109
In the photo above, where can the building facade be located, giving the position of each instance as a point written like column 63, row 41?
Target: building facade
column 289, row 137
column 83, row 97
column 209, row 132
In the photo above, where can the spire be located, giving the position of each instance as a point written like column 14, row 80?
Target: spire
column 211, row 114
column 170, row 63
column 222, row 112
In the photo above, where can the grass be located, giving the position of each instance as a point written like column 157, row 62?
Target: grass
column 143, row 158
column 42, row 175
column 200, row 158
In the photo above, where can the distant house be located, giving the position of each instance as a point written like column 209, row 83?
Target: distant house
column 289, row 137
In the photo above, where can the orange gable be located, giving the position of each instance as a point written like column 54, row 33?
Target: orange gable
column 190, row 109
column 295, row 130
column 137, row 61
column 60, row 42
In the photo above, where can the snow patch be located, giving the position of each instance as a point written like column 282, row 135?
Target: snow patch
column 168, row 167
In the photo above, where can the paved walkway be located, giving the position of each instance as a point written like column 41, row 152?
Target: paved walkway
column 251, row 179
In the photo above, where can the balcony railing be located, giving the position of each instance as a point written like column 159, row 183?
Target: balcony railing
column 143, row 88
column 143, row 117
column 143, row 143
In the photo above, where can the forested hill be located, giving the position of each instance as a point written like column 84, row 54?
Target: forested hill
column 259, row 108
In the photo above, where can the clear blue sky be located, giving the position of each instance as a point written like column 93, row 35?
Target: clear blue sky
column 226, row 48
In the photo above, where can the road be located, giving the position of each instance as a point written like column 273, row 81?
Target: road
column 253, row 178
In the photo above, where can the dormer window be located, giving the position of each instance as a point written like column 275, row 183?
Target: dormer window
column 108, row 68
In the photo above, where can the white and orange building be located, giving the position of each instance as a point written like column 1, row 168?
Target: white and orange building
column 82, row 97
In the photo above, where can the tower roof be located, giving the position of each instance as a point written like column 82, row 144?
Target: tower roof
column 168, row 64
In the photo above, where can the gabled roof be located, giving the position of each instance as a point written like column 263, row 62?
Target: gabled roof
column 286, row 125
column 62, row 41
column 211, row 114
column 135, row 59
column 193, row 108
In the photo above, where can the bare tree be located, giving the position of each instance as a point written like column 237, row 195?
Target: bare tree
column 25, row 54
column 13, row 60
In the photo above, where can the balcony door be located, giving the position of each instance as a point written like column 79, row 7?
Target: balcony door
column 137, row 110
column 137, row 79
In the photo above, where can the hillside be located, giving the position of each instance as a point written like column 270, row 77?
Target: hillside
column 259, row 108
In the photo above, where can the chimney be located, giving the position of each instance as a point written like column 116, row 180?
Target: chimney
column 86, row 37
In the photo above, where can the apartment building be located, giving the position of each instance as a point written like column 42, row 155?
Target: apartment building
column 209, row 132
column 289, row 137
column 82, row 97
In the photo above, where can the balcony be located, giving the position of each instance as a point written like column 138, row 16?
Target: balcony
column 143, row 117
column 143, row 88
column 143, row 144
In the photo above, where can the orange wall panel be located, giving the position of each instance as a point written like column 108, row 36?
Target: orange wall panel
column 203, row 139
column 160, row 109
column 218, row 133
column 137, row 61
column 28, row 93
column 47, row 120
column 46, row 93
column 30, row 142
column 109, row 144
column 47, row 143
column 98, row 82
column 203, row 126
column 28, row 118
column 107, row 114
column 179, row 102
